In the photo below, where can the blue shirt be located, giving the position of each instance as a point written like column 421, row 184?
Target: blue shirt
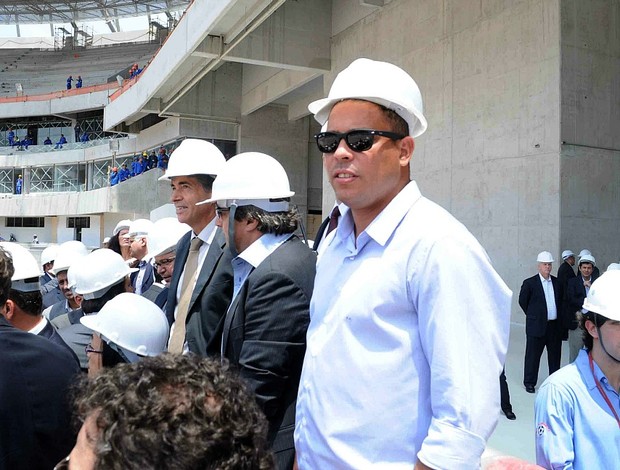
column 575, row 429
column 413, row 293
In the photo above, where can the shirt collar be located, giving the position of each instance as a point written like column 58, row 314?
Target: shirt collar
column 583, row 364
column 256, row 253
column 385, row 223
column 207, row 233
column 39, row 327
column 542, row 279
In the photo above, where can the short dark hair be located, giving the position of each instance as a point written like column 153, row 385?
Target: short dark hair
column 174, row 411
column 206, row 181
column 6, row 273
column 598, row 320
column 30, row 302
column 95, row 305
column 398, row 124
column 278, row 223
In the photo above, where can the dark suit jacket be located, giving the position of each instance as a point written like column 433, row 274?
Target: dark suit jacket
column 35, row 413
column 50, row 333
column 147, row 279
column 320, row 233
column 565, row 272
column 532, row 301
column 574, row 296
column 265, row 337
column 210, row 298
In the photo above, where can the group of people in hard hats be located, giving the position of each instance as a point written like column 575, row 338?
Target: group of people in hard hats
column 577, row 407
column 219, row 339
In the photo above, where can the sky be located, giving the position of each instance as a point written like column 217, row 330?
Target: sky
column 97, row 27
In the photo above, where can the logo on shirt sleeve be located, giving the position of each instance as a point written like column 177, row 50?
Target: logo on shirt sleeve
column 541, row 429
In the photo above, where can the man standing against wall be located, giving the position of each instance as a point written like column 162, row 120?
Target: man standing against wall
column 201, row 285
column 540, row 298
column 577, row 290
column 402, row 289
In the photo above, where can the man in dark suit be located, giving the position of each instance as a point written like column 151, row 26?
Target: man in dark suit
column 264, row 332
column 566, row 271
column 540, row 299
column 142, row 279
column 201, row 284
column 35, row 377
column 577, row 290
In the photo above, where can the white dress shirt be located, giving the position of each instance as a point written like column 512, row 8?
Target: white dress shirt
column 414, row 293
column 552, row 311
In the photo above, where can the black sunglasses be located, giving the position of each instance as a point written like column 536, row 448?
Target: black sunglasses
column 358, row 140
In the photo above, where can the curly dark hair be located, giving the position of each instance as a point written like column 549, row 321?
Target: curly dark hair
column 6, row 273
column 174, row 412
column 114, row 244
column 278, row 223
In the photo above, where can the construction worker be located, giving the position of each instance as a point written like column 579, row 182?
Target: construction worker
column 577, row 289
column 138, row 236
column 577, row 408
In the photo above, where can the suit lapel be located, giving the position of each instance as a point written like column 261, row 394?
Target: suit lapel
column 213, row 256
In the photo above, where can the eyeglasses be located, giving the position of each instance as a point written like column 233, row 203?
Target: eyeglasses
column 220, row 210
column 63, row 464
column 163, row 262
column 358, row 140
column 90, row 349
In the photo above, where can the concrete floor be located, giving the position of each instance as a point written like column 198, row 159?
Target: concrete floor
column 516, row 438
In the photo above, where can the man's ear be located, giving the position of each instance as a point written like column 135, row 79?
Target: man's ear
column 591, row 328
column 9, row 310
column 407, row 144
column 250, row 225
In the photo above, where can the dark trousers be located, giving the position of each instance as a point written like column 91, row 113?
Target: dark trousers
column 504, row 393
column 534, row 347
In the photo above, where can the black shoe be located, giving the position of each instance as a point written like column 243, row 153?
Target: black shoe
column 510, row 415
column 530, row 389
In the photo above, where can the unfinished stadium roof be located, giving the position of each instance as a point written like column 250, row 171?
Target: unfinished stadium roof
column 57, row 11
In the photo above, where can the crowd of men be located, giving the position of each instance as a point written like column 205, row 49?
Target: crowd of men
column 219, row 339
column 140, row 164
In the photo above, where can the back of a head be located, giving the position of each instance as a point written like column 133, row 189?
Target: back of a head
column 174, row 411
column 6, row 272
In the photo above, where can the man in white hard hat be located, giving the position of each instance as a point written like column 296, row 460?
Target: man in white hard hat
column 402, row 289
column 565, row 272
column 138, row 232
column 577, row 290
column 163, row 239
column 201, row 285
column 23, row 308
column 49, row 284
column 67, row 311
column 540, row 299
column 577, row 408
column 35, row 378
column 264, row 333
column 595, row 272
column 109, row 278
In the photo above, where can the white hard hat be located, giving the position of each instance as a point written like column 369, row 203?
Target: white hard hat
column 544, row 257
column 49, row 254
column 132, row 322
column 613, row 267
column 584, row 252
column 379, row 82
column 122, row 225
column 194, row 157
column 94, row 274
column 164, row 235
column 106, row 240
column 26, row 267
column 139, row 228
column 252, row 178
column 604, row 296
column 567, row 254
column 68, row 253
column 588, row 259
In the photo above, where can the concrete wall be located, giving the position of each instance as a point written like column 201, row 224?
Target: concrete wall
column 590, row 163
column 489, row 72
column 268, row 130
